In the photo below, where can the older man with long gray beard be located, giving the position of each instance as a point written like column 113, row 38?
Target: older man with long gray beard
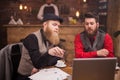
column 40, row 48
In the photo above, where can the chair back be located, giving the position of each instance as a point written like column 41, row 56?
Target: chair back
column 9, row 61
column 15, row 57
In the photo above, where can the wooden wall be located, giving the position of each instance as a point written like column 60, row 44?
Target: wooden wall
column 113, row 23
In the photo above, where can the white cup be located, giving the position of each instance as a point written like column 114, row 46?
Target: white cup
column 60, row 63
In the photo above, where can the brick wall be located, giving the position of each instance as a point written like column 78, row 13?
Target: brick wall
column 66, row 8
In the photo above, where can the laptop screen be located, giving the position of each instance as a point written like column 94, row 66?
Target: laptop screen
column 93, row 68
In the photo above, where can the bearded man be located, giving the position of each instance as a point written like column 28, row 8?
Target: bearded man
column 40, row 48
column 93, row 42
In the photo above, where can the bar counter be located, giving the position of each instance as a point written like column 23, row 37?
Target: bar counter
column 17, row 32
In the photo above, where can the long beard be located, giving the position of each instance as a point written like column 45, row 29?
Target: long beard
column 53, row 37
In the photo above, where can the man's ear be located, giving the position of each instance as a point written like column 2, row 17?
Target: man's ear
column 44, row 25
column 98, row 25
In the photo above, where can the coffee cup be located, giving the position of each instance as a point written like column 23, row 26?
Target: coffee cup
column 60, row 63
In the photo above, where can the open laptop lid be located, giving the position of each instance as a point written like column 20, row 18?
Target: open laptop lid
column 93, row 68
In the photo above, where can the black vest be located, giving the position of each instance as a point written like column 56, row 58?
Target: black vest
column 97, row 44
column 49, row 9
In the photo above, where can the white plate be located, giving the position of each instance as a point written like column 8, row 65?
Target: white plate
column 60, row 65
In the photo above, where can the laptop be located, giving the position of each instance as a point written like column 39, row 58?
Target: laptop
column 93, row 68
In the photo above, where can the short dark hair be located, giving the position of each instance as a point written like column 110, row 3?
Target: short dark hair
column 91, row 15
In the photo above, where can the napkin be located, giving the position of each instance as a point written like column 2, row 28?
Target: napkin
column 12, row 21
column 19, row 21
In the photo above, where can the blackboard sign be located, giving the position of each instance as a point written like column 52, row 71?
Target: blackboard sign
column 103, row 8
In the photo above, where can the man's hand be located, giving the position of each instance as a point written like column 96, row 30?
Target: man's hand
column 102, row 52
column 34, row 70
column 56, row 51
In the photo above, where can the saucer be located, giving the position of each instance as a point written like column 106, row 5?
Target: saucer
column 117, row 68
column 60, row 65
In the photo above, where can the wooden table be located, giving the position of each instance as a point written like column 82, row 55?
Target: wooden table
column 117, row 75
